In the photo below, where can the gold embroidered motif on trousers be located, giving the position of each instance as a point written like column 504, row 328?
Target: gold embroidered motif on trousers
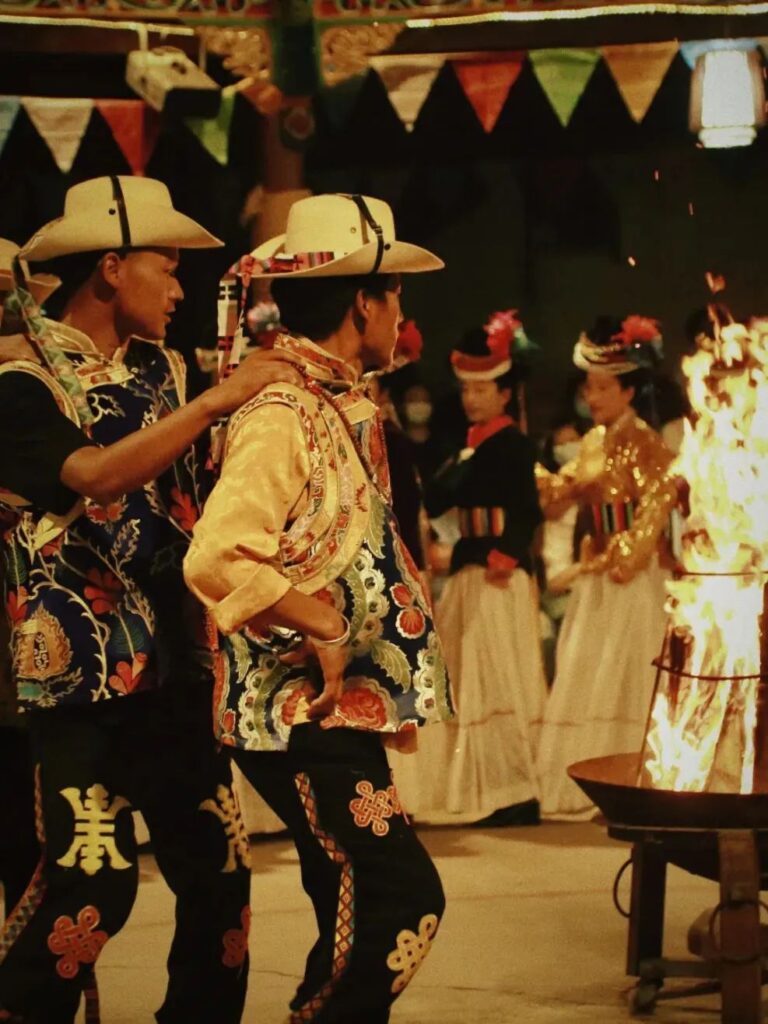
column 412, row 949
column 226, row 809
column 94, row 837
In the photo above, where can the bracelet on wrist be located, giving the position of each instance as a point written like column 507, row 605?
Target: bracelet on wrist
column 337, row 641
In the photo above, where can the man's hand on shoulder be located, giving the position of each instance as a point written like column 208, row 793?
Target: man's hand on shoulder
column 251, row 377
column 16, row 346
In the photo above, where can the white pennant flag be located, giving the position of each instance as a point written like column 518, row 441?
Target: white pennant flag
column 61, row 123
column 408, row 79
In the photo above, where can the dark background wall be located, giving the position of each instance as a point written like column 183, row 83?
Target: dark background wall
column 533, row 216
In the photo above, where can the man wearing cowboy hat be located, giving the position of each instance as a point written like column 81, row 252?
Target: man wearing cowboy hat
column 104, row 486
column 314, row 552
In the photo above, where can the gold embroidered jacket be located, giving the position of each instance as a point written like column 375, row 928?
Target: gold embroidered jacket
column 621, row 473
column 303, row 502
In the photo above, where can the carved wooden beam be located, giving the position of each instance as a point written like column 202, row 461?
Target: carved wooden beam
column 345, row 49
column 246, row 52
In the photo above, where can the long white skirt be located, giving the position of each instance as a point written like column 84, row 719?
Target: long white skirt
column 603, row 681
column 483, row 759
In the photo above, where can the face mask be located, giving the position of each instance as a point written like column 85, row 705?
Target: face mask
column 418, row 413
column 565, row 452
column 581, row 408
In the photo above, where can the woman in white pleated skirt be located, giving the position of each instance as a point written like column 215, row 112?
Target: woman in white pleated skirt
column 615, row 621
column 480, row 767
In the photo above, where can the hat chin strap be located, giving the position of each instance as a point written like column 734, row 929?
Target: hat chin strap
column 368, row 217
column 122, row 213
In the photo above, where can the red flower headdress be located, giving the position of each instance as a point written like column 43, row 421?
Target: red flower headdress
column 505, row 339
column 409, row 344
column 637, row 330
column 501, row 330
column 263, row 322
column 638, row 344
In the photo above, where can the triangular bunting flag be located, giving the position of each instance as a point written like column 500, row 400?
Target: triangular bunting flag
column 563, row 75
column 61, row 123
column 638, row 71
column 486, row 84
column 9, row 108
column 408, row 79
column 213, row 132
column 134, row 127
column 339, row 100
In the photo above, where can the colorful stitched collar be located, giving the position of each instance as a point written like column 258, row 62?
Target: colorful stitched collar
column 323, row 366
column 72, row 340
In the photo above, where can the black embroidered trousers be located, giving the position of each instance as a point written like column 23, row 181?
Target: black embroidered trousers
column 377, row 895
column 155, row 753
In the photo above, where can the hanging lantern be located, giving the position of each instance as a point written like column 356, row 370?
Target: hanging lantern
column 727, row 98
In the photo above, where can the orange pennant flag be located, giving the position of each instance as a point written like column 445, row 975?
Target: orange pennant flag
column 639, row 70
column 486, row 84
column 135, row 128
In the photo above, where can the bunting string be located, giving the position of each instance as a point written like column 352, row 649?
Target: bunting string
column 563, row 75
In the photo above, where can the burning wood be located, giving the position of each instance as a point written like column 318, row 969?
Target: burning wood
column 708, row 725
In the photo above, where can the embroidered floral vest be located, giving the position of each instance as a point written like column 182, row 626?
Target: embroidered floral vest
column 344, row 548
column 96, row 598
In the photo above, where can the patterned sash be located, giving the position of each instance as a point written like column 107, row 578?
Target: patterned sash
column 481, row 522
column 612, row 517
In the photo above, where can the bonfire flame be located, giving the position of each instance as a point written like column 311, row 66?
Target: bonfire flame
column 704, row 716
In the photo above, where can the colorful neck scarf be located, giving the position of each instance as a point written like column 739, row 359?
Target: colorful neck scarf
column 20, row 302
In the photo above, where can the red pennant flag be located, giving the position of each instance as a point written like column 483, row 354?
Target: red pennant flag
column 486, row 84
column 135, row 128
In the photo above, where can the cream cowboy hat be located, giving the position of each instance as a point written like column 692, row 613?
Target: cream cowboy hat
column 333, row 235
column 117, row 212
column 40, row 285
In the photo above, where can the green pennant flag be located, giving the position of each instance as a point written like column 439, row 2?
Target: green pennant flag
column 213, row 132
column 563, row 75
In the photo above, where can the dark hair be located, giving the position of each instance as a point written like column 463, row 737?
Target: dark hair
column 398, row 381
column 602, row 332
column 474, row 342
column 316, row 306
column 644, row 398
column 74, row 270
column 547, row 458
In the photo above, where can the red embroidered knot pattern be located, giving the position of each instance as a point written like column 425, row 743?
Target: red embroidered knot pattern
column 76, row 944
column 236, row 941
column 374, row 806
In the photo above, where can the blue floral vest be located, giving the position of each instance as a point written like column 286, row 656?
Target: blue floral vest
column 96, row 599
